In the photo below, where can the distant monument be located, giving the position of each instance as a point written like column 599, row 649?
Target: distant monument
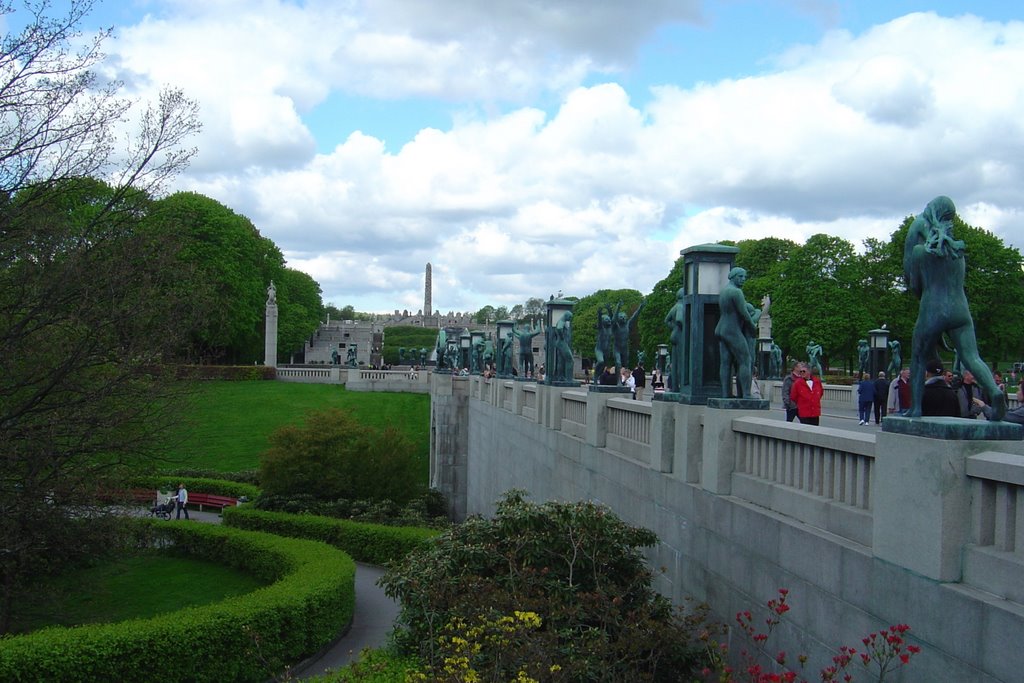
column 426, row 293
column 270, row 330
column 764, row 323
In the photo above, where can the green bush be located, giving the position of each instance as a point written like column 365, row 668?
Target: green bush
column 575, row 566
column 374, row 666
column 243, row 476
column 372, row 543
column 220, row 487
column 332, row 455
column 427, row 510
column 245, row 638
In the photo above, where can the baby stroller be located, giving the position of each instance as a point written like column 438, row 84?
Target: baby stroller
column 163, row 510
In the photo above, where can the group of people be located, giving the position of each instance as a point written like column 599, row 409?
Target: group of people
column 802, row 390
column 948, row 395
column 635, row 380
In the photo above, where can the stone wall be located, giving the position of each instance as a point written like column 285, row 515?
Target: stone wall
column 864, row 531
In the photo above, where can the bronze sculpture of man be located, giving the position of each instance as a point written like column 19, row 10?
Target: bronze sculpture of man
column 732, row 331
column 933, row 266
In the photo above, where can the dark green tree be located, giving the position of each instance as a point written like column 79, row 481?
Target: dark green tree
column 234, row 264
column 820, row 297
column 651, row 322
column 88, row 296
column 584, row 317
column 299, row 306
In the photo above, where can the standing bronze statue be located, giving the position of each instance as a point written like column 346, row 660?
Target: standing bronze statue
column 621, row 327
column 933, row 266
column 561, row 338
column 525, row 338
column 676, row 319
column 734, row 327
column 604, row 345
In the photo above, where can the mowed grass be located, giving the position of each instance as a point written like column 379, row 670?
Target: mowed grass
column 227, row 424
column 138, row 586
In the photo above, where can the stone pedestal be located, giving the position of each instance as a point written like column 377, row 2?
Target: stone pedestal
column 921, row 493
column 270, row 337
column 719, row 441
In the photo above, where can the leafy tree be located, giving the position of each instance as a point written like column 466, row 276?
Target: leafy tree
column 233, row 265
column 501, row 313
column 533, row 310
column 764, row 261
column 820, row 298
column 89, row 301
column 584, row 317
column 575, row 565
column 299, row 306
column 484, row 314
column 651, row 321
column 516, row 312
column 332, row 456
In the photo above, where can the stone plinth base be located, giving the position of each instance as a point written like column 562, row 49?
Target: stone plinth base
column 607, row 389
column 739, row 403
column 953, row 428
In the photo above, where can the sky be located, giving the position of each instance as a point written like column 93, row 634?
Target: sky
column 527, row 147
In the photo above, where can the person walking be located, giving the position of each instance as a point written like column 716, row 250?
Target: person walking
column 865, row 398
column 787, row 390
column 806, row 394
column 182, row 497
column 640, row 377
column 881, row 396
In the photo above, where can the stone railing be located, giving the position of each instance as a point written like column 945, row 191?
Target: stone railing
column 529, row 410
column 820, row 476
column 629, row 428
column 311, row 375
column 835, row 395
column 574, row 413
column 994, row 560
column 366, row 379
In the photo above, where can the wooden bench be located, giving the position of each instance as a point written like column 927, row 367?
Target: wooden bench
column 211, row 500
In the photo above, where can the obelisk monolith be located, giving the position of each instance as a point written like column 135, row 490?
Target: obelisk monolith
column 426, row 294
column 270, row 341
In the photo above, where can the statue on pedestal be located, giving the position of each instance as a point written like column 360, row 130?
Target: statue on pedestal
column 863, row 354
column 525, row 338
column 735, row 327
column 621, row 327
column 561, row 338
column 814, row 357
column 933, row 266
column 676, row 319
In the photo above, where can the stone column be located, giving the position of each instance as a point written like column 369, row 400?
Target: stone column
column 270, row 332
column 920, row 491
column 719, row 442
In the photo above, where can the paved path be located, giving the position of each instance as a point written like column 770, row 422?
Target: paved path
column 372, row 619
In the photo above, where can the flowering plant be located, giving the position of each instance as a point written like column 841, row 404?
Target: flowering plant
column 884, row 652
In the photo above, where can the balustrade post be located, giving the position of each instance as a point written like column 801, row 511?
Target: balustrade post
column 922, row 495
column 597, row 418
column 718, row 457
column 663, row 426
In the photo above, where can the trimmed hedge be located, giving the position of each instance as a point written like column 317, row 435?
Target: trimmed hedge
column 220, row 487
column 249, row 637
column 229, row 373
column 371, row 543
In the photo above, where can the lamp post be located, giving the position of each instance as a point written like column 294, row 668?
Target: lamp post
column 558, row 359
column 695, row 354
column 662, row 357
column 878, row 341
column 476, row 337
column 504, row 364
column 764, row 357
column 464, row 340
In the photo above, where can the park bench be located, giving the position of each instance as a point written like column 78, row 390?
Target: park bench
column 211, row 500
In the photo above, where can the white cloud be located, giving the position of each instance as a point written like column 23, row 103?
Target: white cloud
column 846, row 136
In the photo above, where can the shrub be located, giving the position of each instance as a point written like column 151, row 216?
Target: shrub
column 372, row 543
column 334, row 456
column 576, row 566
column 242, row 477
column 244, row 638
column 427, row 510
column 221, row 487
column 230, row 373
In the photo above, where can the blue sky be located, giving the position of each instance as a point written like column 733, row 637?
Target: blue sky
column 530, row 146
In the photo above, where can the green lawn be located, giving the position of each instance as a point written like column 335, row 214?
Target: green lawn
column 228, row 423
column 141, row 585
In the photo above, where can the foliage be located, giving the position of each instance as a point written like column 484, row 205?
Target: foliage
column 373, row 543
column 220, row 487
column 227, row 373
column 427, row 510
column 575, row 564
column 374, row 666
column 299, row 307
column 87, row 294
column 584, row 317
column 332, row 455
column 407, row 337
column 650, row 323
column 819, row 297
column 244, row 476
column 227, row 424
column 310, row 600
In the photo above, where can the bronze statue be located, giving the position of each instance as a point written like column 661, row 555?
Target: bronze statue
column 814, row 357
column 621, row 327
column 776, row 361
column 561, row 338
column 863, row 352
column 604, row 344
column 895, row 359
column 351, row 360
column 525, row 338
column 933, row 266
column 676, row 319
column 734, row 328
